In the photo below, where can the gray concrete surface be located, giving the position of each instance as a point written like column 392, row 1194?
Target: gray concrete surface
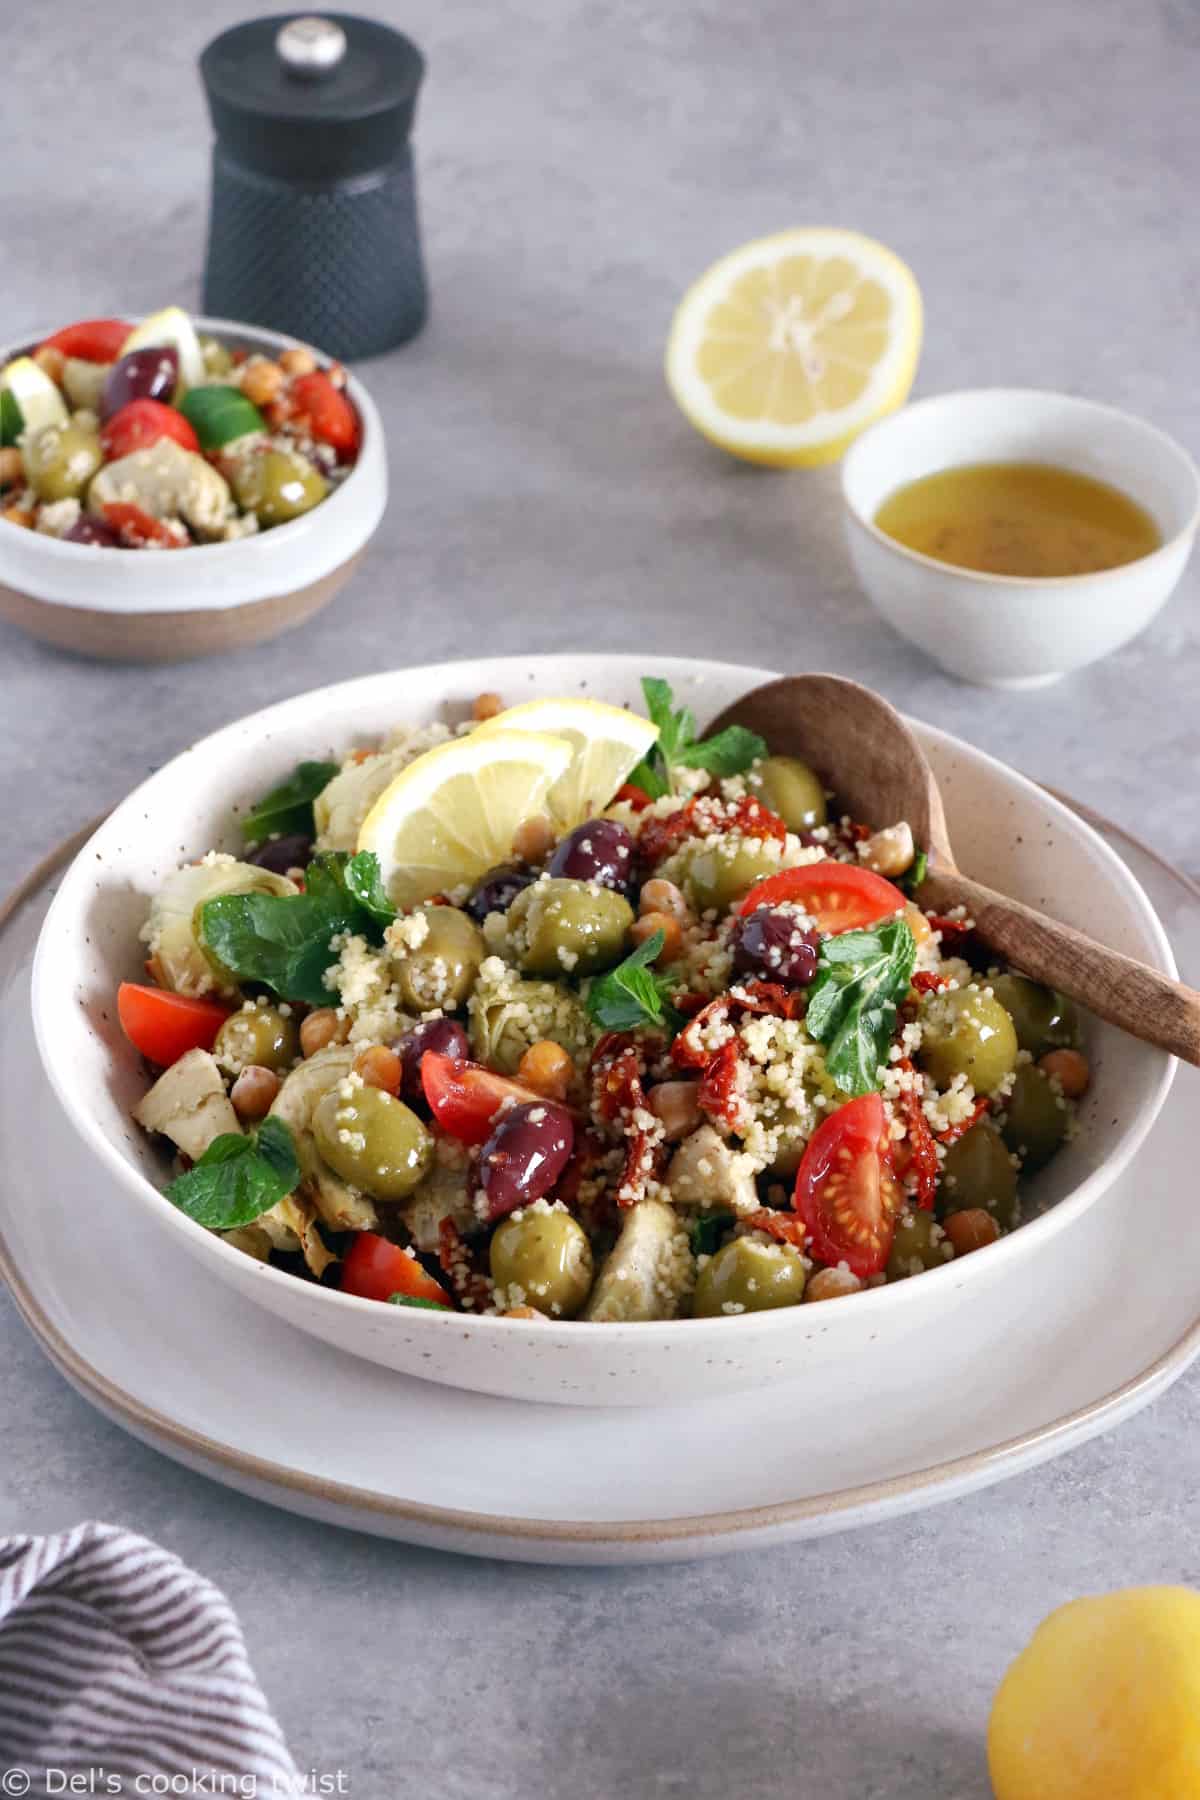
column 1036, row 163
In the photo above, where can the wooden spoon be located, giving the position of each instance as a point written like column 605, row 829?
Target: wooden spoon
column 863, row 747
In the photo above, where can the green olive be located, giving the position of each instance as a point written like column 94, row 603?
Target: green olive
column 259, row 1035
column 749, row 1274
column 718, row 871
column 278, row 485
column 919, row 1243
column 979, row 1172
column 60, row 460
column 788, row 787
column 560, row 927
column 1043, row 1019
column 967, row 1032
column 547, row 1255
column 441, row 970
column 1035, row 1118
column 372, row 1141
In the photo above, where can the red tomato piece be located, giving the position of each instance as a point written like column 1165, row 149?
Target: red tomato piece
column 91, row 340
column 141, row 423
column 138, row 527
column 165, row 1026
column 846, row 1192
column 839, row 896
column 633, row 795
column 375, row 1269
column 465, row 1099
column 331, row 418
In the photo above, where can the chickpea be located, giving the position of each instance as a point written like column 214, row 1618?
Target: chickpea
column 660, row 896
column 648, row 924
column 297, row 362
column 261, row 381
column 831, row 1284
column 889, row 852
column 533, row 839
column 522, row 1312
column 1069, row 1068
column 51, row 362
column 677, row 1105
column 12, row 469
column 918, row 924
column 970, row 1230
column 322, row 1028
column 380, row 1067
column 254, row 1091
column 18, row 515
column 486, row 707
column 547, row 1069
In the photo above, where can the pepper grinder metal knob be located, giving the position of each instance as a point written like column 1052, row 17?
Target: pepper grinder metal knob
column 313, row 225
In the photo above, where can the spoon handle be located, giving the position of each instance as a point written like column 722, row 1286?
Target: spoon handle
column 1141, row 1001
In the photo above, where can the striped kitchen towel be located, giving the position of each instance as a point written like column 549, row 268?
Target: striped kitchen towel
column 116, row 1657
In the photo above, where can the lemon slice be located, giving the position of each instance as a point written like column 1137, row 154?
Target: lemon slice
column 451, row 815
column 607, row 743
column 786, row 349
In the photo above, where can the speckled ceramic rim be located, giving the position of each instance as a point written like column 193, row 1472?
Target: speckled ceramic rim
column 193, row 1448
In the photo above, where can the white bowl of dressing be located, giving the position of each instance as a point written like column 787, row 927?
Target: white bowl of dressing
column 1017, row 631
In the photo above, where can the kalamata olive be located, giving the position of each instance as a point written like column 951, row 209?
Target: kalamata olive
column 525, row 1155
column 774, row 946
column 445, row 1037
column 87, row 530
column 150, row 374
column 598, row 850
column 283, row 853
column 496, row 891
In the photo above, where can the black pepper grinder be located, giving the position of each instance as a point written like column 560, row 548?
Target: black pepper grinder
column 313, row 225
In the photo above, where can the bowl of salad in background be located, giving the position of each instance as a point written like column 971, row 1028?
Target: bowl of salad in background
column 1011, row 834
column 252, row 463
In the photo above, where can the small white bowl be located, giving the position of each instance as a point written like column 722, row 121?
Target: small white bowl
column 159, row 606
column 1007, row 832
column 1010, row 631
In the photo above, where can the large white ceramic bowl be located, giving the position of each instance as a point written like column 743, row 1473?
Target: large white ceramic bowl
column 1005, row 830
column 1003, row 630
column 145, row 606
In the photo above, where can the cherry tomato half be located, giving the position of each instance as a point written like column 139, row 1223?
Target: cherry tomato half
column 141, row 423
column 375, row 1269
column 91, row 340
column 137, row 527
column 331, row 418
column 846, row 1192
column 839, row 896
column 465, row 1099
column 166, row 1026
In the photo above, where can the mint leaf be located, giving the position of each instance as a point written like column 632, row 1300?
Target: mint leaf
column 861, row 977
column 912, row 878
column 282, row 940
column 632, row 997
column 287, row 809
column 415, row 1300
column 728, row 753
column 365, row 883
column 238, row 1178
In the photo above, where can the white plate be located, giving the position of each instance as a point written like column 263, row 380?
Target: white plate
column 1099, row 1326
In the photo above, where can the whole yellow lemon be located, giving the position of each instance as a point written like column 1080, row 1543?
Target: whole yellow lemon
column 1104, row 1702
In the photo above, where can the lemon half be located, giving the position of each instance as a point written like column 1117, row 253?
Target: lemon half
column 607, row 743
column 451, row 814
column 786, row 349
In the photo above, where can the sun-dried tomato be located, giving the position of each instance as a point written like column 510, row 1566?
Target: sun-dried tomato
column 659, row 836
column 961, row 1127
column 785, row 1227
column 459, row 1263
column 633, row 795
column 689, row 1051
column 754, row 820
column 771, row 997
column 949, row 927
column 918, row 1156
column 619, row 1097
column 926, row 982
column 718, row 1092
